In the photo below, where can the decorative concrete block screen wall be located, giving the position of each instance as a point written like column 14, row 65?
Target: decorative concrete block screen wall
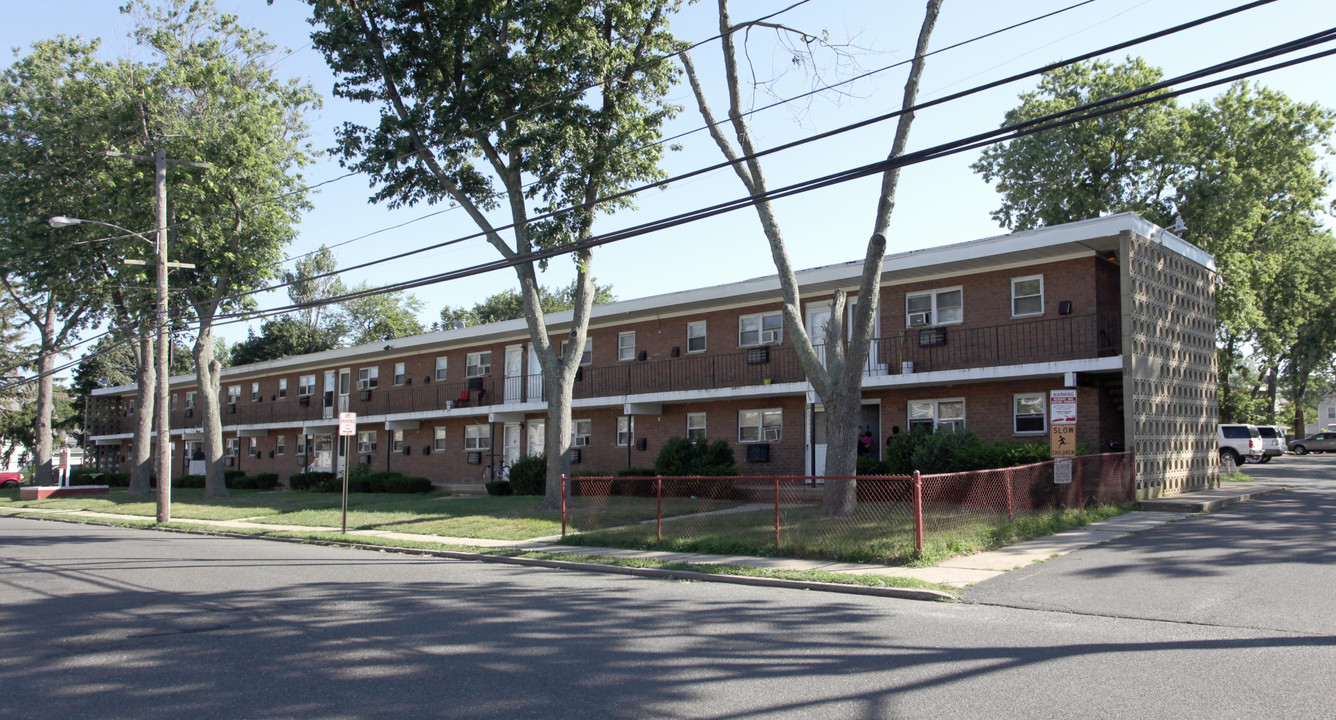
column 1169, row 360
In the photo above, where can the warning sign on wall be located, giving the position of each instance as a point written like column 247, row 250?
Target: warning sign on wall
column 1062, row 407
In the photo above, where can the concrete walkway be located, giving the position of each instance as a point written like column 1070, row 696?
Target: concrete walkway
column 955, row 572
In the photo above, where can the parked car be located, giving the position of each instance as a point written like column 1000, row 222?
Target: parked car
column 1273, row 443
column 10, row 479
column 1321, row 442
column 1239, row 441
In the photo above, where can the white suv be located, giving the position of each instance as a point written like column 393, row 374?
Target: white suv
column 1273, row 443
column 1240, row 441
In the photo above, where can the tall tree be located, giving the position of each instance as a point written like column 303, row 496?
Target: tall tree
column 837, row 373
column 558, row 104
column 55, row 120
column 371, row 316
column 310, row 282
column 509, row 305
column 1243, row 170
column 280, row 338
column 210, row 88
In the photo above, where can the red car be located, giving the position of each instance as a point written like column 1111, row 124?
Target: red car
column 10, row 479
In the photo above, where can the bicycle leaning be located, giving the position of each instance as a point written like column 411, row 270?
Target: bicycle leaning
column 497, row 470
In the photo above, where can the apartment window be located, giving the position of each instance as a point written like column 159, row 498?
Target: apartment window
column 478, row 364
column 439, row 437
column 173, row 405
column 306, row 385
column 696, row 337
column 581, row 432
column 233, row 447
column 368, row 378
column 946, row 415
column 399, row 375
column 301, row 444
column 760, row 425
column 255, row 447
column 255, row 392
column 282, row 387
column 695, row 426
column 440, row 368
column 397, row 440
column 280, row 445
column 366, row 442
column 477, row 437
column 626, row 430
column 130, row 406
column 587, row 358
column 1331, row 413
column 193, row 447
column 233, row 394
column 760, row 329
column 935, row 307
column 1027, row 296
column 190, row 398
column 1027, row 413
column 626, row 346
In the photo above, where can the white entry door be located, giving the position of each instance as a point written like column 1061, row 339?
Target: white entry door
column 345, row 386
column 510, row 438
column 537, row 440
column 514, row 374
column 324, row 454
column 534, row 391
column 817, row 456
column 818, row 316
column 327, row 395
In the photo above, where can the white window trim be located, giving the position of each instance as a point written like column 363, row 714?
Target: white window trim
column 702, row 427
column 368, row 378
column 442, row 364
column 1043, row 416
column 703, row 336
column 1027, row 278
column 282, row 387
column 936, row 314
column 586, row 357
column 775, row 339
column 280, row 445
column 233, row 394
column 438, row 438
column 400, row 373
column 937, row 412
column 625, row 352
column 190, row 398
column 397, row 440
column 579, row 439
column 366, row 442
column 477, row 437
column 256, row 396
column 305, row 389
column 232, row 447
column 626, row 430
column 762, row 430
column 474, row 367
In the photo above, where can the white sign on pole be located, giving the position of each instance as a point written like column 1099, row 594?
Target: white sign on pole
column 347, row 424
column 1062, row 407
column 1062, row 472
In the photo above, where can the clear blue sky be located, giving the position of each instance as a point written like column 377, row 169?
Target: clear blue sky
column 939, row 202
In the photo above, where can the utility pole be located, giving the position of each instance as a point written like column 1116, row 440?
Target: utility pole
column 163, row 461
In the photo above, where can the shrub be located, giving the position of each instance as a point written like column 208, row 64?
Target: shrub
column 189, row 481
column 681, row 457
column 259, row 481
column 310, row 480
column 872, row 466
column 528, row 476
column 636, row 472
column 712, row 488
column 500, row 487
column 230, row 475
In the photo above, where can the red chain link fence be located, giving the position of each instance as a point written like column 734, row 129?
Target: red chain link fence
column 894, row 520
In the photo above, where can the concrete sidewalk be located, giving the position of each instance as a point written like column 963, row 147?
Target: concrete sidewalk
column 955, row 572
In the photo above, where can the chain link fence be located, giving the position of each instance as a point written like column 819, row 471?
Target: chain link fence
column 894, row 519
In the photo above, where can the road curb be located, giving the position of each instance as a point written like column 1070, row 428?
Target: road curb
column 680, row 575
column 1203, row 505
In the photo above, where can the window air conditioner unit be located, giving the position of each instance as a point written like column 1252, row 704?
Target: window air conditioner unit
column 919, row 318
column 190, row 412
column 642, row 443
column 364, row 459
column 770, row 434
column 230, row 461
column 581, row 441
column 407, row 450
column 770, row 336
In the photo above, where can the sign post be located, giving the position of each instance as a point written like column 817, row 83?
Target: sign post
column 1062, row 433
column 347, row 429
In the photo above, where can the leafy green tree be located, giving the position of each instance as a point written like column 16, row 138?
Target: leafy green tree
column 55, row 120
column 526, row 106
column 1243, row 170
column 374, row 317
column 509, row 305
column 835, row 372
column 311, row 284
column 280, row 338
column 210, row 89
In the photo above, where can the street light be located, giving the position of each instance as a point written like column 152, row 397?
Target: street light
column 164, row 461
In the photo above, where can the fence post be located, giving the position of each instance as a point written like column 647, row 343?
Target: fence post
column 1006, row 479
column 1131, row 476
column 1080, row 486
column 777, row 512
column 918, row 513
column 658, row 509
column 563, row 506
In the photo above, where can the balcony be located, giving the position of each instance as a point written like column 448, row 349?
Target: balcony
column 929, row 349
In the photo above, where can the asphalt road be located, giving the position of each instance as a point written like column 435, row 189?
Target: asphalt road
column 111, row 623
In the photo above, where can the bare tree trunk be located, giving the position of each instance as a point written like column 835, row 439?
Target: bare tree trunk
column 208, row 372
column 141, row 463
column 43, row 472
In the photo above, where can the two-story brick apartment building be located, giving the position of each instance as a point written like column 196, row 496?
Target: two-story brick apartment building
column 972, row 335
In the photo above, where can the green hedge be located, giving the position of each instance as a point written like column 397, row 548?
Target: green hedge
column 528, row 476
column 946, row 452
column 310, row 480
column 500, row 487
column 365, row 482
column 681, row 457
